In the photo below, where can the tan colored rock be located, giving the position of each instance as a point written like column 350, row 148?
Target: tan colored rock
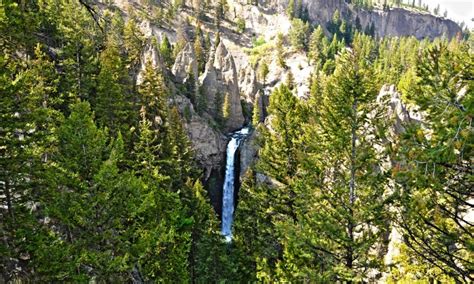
column 150, row 53
column 208, row 143
column 220, row 79
column 185, row 63
column 395, row 22
column 248, row 153
column 248, row 84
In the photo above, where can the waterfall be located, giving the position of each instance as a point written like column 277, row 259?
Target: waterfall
column 229, row 185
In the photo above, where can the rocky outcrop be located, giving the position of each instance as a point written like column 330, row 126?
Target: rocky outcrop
column 218, row 81
column 150, row 54
column 395, row 22
column 395, row 109
column 185, row 64
column 208, row 143
column 248, row 153
column 248, row 84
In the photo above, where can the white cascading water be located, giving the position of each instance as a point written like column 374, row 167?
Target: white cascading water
column 229, row 186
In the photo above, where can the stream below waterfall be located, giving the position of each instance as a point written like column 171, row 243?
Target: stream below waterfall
column 229, row 184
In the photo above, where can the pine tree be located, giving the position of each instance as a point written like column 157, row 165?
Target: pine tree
column 112, row 104
column 153, row 96
column 199, row 51
column 274, row 201
column 290, row 10
column 290, row 81
column 87, row 201
column 436, row 10
column 263, row 72
column 432, row 168
column 133, row 41
column 280, row 50
column 181, row 40
column 226, row 107
column 208, row 257
column 161, row 240
column 166, row 52
column 182, row 166
column 340, row 162
column 318, row 44
column 29, row 114
column 299, row 34
column 256, row 115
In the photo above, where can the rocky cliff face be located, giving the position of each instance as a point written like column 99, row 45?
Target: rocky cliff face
column 395, row 22
column 208, row 143
column 248, row 84
column 229, row 73
column 185, row 64
column 220, row 81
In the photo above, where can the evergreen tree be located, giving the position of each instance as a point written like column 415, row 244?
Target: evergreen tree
column 29, row 115
column 161, row 240
column 208, row 258
column 226, row 107
column 290, row 10
column 299, row 34
column 112, row 104
column 263, row 71
column 88, row 200
column 256, row 115
column 280, row 50
column 133, row 43
column 182, row 166
column 274, row 202
column 153, row 96
column 318, row 44
column 433, row 169
column 290, row 81
column 166, row 52
column 341, row 163
column 199, row 51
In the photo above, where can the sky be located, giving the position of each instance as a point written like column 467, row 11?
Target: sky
column 458, row 10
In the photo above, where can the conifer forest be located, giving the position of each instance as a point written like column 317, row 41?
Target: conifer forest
column 235, row 141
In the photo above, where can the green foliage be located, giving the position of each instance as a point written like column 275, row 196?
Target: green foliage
column 431, row 168
column 262, row 205
column 82, row 203
column 88, row 198
column 258, row 42
column 263, row 71
column 226, row 107
column 199, row 50
column 290, row 10
column 280, row 43
column 166, row 52
column 256, row 114
column 110, row 104
column 98, row 181
column 133, row 42
column 299, row 34
column 240, row 25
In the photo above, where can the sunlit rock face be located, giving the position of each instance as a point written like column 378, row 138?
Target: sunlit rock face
column 395, row 22
column 220, row 80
